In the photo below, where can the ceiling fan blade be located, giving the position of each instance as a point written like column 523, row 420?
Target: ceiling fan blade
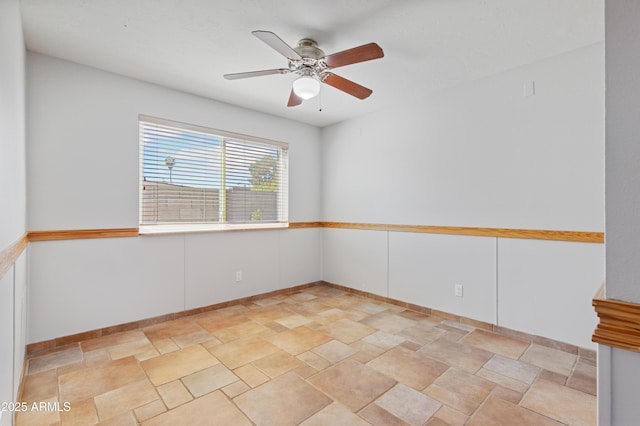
column 294, row 100
column 239, row 75
column 347, row 86
column 276, row 43
column 366, row 52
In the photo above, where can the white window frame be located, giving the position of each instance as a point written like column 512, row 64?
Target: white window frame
column 282, row 198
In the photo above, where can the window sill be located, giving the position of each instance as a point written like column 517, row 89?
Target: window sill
column 199, row 228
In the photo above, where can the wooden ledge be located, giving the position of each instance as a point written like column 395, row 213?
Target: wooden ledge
column 527, row 234
column 619, row 324
column 9, row 255
column 76, row 234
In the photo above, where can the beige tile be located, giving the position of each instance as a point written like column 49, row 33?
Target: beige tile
column 82, row 384
column 268, row 313
column 126, row 398
column 435, row 421
column 251, row 375
column 457, row 326
column 334, row 351
column 149, row 410
column 165, row 345
column 378, row 416
column 583, row 378
column 467, row 358
column 37, row 416
column 210, row 344
column 174, row 365
column 553, row 377
column 65, row 369
column 414, row 369
column 460, row 390
column 40, row 386
column 293, row 321
column 270, row 301
column 55, row 360
column 498, row 412
column 96, row 357
column 366, row 351
column 383, row 339
column 517, row 370
column 302, row 297
column 305, row 371
column 209, row 379
column 174, row 394
column 335, row 414
column 299, row 339
column 418, row 317
column 243, row 351
column 371, row 308
column 450, row 417
column 142, row 349
column 561, row 403
column 422, row 333
column 193, row 338
column 277, row 363
column 550, row 359
column 412, row 346
column 219, row 320
column 124, row 419
column 496, row 343
column 239, row 331
column 113, row 340
column 388, row 322
column 351, row 383
column 507, row 394
column 82, row 413
column 330, row 315
column 171, row 328
column 314, row 360
column 285, row 400
column 408, row 404
column 235, row 389
column 212, row 409
column 274, row 326
column 507, row 382
column 347, row 330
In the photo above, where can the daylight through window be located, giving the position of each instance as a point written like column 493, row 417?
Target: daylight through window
column 193, row 177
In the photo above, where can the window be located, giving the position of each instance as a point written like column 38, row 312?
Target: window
column 194, row 178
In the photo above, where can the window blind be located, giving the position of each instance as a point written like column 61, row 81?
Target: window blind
column 194, row 175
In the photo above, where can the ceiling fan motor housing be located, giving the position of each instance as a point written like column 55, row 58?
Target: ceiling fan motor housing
column 310, row 64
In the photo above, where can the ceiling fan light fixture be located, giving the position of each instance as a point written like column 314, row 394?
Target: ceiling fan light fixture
column 306, row 87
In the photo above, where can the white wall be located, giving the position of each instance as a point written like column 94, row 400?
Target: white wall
column 618, row 372
column 545, row 288
column 623, row 151
column 13, row 205
column 83, row 173
column 479, row 155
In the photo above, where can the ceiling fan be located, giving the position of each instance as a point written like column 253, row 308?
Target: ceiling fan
column 314, row 67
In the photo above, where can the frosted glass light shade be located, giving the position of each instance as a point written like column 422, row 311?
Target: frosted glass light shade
column 306, row 87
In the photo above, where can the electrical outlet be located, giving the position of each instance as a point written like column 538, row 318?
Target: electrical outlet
column 458, row 290
column 238, row 276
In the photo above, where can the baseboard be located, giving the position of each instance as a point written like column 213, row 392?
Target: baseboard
column 519, row 335
column 61, row 343
column 64, row 342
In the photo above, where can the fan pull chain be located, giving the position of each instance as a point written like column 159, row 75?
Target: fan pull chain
column 320, row 100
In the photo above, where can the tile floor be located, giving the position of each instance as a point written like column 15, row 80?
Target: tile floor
column 319, row 356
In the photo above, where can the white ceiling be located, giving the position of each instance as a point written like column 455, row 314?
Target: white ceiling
column 428, row 44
